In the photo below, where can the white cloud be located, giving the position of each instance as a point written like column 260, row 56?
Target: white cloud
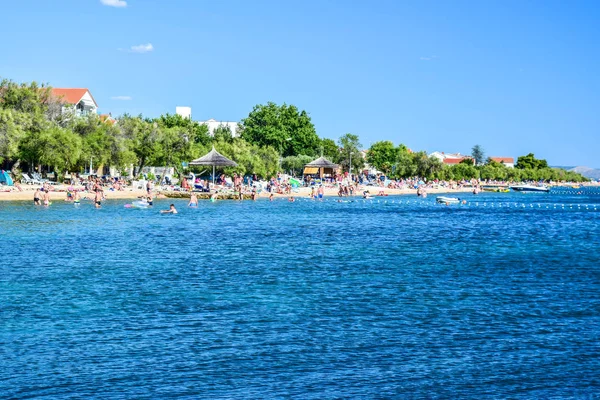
column 114, row 3
column 123, row 98
column 142, row 48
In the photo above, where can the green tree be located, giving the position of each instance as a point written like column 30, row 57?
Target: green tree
column 196, row 132
column 287, row 130
column 11, row 133
column 426, row 167
column 55, row 147
column 223, row 133
column 382, row 155
column 478, row 154
column 406, row 166
column 145, row 136
column 350, row 146
column 251, row 159
column 328, row 149
column 530, row 162
column 465, row 171
column 294, row 164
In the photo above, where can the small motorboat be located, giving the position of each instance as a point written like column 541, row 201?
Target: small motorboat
column 530, row 188
column 447, row 200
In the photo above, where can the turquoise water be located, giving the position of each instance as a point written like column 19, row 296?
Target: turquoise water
column 392, row 298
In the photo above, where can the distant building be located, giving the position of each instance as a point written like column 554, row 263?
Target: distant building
column 185, row 112
column 79, row 101
column 507, row 161
column 213, row 124
column 107, row 118
column 450, row 158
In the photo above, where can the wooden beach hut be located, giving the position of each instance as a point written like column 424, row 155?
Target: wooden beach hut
column 215, row 159
column 321, row 166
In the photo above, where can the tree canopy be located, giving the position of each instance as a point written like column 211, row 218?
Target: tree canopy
column 34, row 131
column 285, row 128
column 478, row 154
column 530, row 162
column 350, row 147
column 382, row 155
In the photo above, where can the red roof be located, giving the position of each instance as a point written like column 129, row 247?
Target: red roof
column 454, row 160
column 71, row 96
column 505, row 160
column 107, row 119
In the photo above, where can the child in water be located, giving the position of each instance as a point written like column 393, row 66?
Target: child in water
column 193, row 200
column 37, row 196
column 171, row 210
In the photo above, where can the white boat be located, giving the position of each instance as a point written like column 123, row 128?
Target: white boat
column 447, row 200
column 530, row 188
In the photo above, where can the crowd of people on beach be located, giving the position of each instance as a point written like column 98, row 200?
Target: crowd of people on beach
column 238, row 186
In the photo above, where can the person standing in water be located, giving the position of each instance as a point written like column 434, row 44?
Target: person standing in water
column 321, row 192
column 98, row 199
column 46, row 198
column 37, row 197
column 193, row 200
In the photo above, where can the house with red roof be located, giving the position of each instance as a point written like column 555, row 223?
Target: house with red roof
column 78, row 100
column 450, row 158
column 507, row 161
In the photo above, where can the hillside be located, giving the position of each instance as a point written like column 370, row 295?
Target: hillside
column 587, row 172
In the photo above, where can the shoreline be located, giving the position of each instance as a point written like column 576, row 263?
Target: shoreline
column 130, row 194
column 133, row 194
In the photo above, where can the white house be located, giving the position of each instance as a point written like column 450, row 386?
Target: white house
column 80, row 101
column 185, row 112
column 213, row 124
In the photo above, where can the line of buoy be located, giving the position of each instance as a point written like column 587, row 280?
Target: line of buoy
column 516, row 205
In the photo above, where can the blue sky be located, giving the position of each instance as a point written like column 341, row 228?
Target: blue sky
column 512, row 76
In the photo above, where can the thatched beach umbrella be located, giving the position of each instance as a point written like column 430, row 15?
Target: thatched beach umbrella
column 215, row 159
column 321, row 164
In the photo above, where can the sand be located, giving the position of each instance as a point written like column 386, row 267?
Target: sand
column 59, row 193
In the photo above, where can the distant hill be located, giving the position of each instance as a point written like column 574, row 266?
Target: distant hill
column 587, row 172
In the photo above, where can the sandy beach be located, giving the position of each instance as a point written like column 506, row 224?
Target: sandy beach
column 59, row 193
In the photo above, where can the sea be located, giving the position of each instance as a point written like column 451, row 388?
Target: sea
column 390, row 298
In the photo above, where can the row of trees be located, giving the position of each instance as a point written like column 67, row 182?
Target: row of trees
column 400, row 162
column 35, row 130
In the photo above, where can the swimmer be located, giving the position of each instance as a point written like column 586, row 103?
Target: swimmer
column 149, row 200
column 171, row 210
column 193, row 200
column 291, row 199
column 76, row 198
column 271, row 197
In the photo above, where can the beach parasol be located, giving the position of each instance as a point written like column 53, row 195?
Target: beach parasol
column 215, row 159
